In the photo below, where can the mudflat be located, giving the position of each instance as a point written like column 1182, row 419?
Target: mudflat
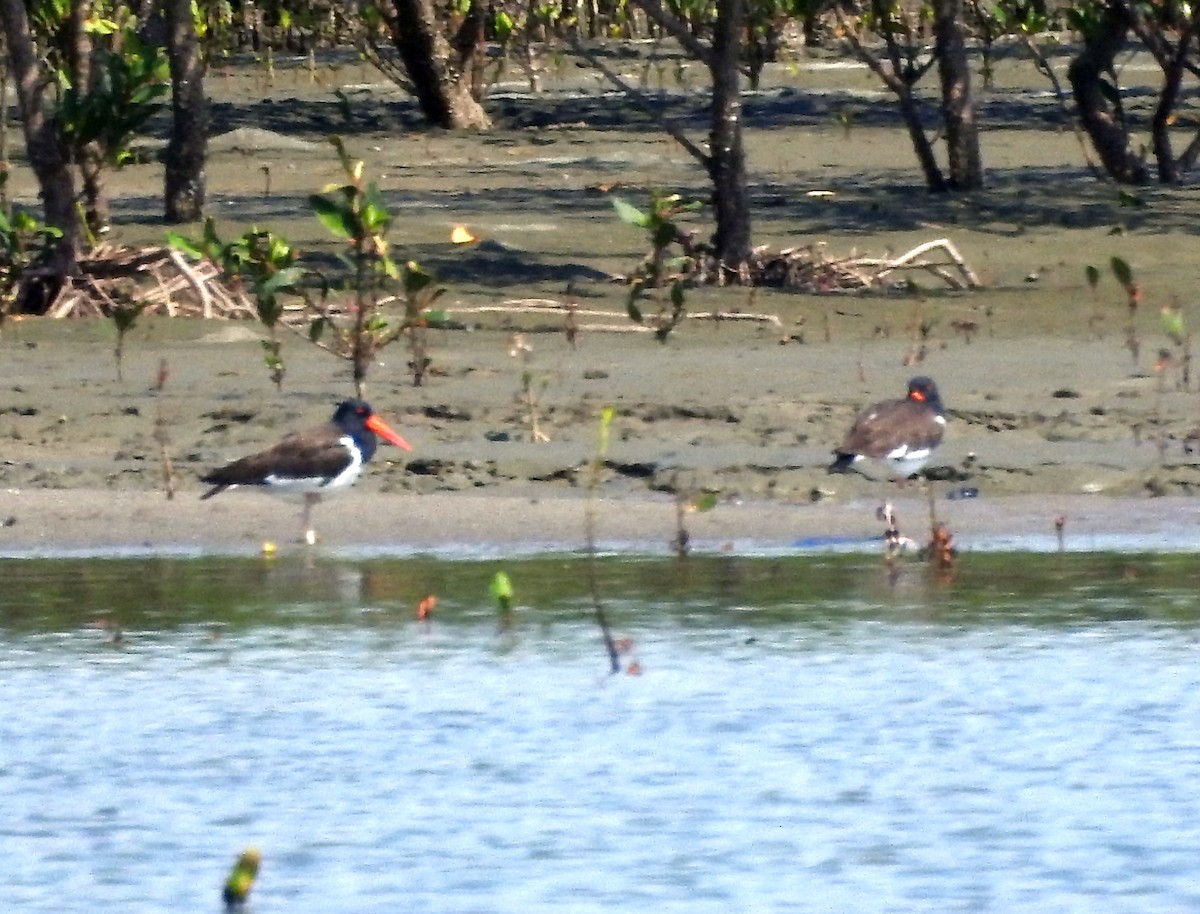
column 1062, row 400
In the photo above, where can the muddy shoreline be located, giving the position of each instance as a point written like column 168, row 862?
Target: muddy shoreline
column 1050, row 411
column 728, row 410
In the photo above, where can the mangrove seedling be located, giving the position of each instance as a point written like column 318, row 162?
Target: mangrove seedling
column 425, row 608
column 124, row 315
column 162, row 431
column 895, row 542
column 1179, row 334
column 355, row 212
column 941, row 553
column 25, row 242
column 421, row 291
column 571, row 318
column 264, row 266
column 1133, row 296
column 1096, row 321
column 688, row 501
column 658, row 270
column 595, row 469
column 241, row 879
column 502, row 593
column 532, row 385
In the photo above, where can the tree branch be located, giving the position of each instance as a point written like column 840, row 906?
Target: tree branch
column 639, row 98
column 677, row 29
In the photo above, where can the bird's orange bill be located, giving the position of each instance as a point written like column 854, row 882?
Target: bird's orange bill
column 380, row 428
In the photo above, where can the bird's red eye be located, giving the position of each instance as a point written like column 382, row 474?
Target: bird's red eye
column 918, row 395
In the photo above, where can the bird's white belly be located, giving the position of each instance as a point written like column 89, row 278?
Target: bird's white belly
column 905, row 462
column 306, row 485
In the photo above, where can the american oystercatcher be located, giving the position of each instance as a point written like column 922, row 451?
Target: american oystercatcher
column 309, row 463
column 902, row 434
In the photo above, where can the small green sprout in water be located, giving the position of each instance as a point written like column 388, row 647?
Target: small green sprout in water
column 241, row 879
column 502, row 593
column 607, row 414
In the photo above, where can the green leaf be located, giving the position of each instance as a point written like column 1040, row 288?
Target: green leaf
column 664, row 234
column 416, row 279
column 1173, row 324
column 704, row 502
column 1125, row 198
column 504, row 26
column 1122, row 271
column 607, row 414
column 1093, row 276
column 375, row 218
column 281, row 281
column 125, row 316
column 334, row 216
column 502, row 590
column 630, row 214
column 316, row 328
column 185, row 245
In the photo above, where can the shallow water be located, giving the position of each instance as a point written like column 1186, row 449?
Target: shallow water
column 805, row 736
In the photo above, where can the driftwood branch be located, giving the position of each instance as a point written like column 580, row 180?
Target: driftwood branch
column 166, row 283
column 156, row 276
column 809, row 269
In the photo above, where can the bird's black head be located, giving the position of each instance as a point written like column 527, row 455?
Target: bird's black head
column 923, row 390
column 352, row 417
column 358, row 420
column 354, row 412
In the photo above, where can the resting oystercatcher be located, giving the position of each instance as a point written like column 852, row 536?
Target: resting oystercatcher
column 902, row 434
column 309, row 463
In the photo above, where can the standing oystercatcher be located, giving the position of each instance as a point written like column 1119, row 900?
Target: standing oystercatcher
column 321, row 459
column 902, row 434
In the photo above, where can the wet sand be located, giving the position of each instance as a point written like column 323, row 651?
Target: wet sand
column 56, row 523
column 1050, row 412
column 725, row 411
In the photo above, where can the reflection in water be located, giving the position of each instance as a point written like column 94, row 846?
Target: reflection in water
column 803, row 737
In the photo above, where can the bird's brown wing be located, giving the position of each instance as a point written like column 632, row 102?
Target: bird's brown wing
column 880, row 429
column 318, row 453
